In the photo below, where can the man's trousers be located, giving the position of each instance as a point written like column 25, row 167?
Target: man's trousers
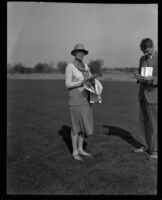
column 148, row 124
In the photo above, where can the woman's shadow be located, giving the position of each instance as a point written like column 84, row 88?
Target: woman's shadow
column 125, row 135
column 65, row 132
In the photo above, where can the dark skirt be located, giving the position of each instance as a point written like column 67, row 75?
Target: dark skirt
column 82, row 119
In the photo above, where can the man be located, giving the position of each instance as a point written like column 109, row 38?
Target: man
column 148, row 89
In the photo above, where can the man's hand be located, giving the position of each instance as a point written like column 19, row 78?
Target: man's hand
column 147, row 79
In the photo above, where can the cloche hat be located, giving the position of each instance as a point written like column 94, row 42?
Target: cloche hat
column 79, row 47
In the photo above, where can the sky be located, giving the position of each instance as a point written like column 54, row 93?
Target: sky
column 47, row 32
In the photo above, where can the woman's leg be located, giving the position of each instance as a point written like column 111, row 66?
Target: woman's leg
column 80, row 142
column 74, row 138
column 80, row 146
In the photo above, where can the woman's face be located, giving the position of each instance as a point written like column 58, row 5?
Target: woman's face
column 79, row 55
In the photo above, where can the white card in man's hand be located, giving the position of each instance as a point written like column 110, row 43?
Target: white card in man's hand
column 146, row 71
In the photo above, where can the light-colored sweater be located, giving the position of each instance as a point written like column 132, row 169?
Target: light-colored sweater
column 73, row 77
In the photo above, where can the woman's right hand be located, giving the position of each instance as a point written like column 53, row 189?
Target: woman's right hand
column 82, row 82
column 86, row 79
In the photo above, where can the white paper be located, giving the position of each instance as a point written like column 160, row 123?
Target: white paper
column 146, row 71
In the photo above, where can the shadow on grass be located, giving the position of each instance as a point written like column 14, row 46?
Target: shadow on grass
column 125, row 135
column 65, row 132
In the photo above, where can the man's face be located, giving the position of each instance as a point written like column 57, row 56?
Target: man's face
column 149, row 51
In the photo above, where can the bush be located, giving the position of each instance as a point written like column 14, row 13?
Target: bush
column 17, row 68
column 96, row 66
column 43, row 68
column 61, row 66
column 39, row 68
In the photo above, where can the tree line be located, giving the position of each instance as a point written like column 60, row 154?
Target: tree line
column 96, row 66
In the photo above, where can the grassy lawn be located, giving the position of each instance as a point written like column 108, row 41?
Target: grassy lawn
column 39, row 147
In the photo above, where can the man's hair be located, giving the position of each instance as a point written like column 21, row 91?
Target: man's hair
column 146, row 43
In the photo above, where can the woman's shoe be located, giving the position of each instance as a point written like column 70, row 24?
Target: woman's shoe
column 76, row 157
column 139, row 150
column 84, row 153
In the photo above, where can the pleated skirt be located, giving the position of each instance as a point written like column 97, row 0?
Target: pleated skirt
column 82, row 119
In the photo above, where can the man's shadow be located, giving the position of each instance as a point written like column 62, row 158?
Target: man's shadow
column 65, row 132
column 125, row 135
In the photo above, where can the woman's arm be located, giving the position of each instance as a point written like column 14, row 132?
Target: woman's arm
column 68, row 79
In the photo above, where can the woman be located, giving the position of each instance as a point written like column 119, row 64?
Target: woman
column 76, row 74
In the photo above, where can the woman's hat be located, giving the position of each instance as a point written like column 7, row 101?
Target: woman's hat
column 79, row 47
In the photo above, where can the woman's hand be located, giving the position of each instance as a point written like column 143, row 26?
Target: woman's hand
column 81, row 82
column 86, row 79
column 90, row 78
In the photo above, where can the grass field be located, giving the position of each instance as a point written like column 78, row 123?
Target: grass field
column 110, row 76
column 39, row 147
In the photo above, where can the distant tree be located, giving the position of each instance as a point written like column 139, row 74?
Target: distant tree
column 54, row 70
column 17, row 68
column 39, row 68
column 96, row 66
column 47, row 68
column 104, row 69
column 43, row 68
column 28, row 70
column 61, row 66
column 124, row 69
column 131, row 69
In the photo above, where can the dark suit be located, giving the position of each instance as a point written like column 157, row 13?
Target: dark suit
column 148, row 103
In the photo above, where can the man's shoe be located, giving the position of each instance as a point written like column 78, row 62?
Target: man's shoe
column 154, row 155
column 139, row 150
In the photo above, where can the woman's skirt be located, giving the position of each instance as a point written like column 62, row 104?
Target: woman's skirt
column 82, row 119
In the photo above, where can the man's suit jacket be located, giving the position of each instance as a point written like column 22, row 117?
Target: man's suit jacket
column 149, row 91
